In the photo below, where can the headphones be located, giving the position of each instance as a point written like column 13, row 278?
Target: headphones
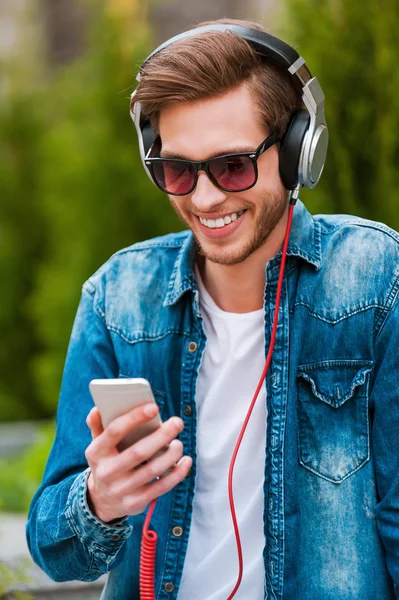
column 303, row 147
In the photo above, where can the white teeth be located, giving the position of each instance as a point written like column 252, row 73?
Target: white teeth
column 221, row 221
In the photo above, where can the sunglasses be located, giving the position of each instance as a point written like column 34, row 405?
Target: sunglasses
column 229, row 172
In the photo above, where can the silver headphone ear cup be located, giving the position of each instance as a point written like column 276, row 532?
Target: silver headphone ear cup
column 291, row 147
column 145, row 133
column 318, row 152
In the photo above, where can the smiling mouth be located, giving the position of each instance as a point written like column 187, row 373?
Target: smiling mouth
column 221, row 221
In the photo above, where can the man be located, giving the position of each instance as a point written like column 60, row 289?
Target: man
column 317, row 475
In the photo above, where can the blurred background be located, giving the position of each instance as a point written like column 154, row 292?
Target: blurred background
column 72, row 189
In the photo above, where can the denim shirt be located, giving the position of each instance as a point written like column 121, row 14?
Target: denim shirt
column 331, row 488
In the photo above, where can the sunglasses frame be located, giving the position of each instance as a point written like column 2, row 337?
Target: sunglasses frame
column 203, row 165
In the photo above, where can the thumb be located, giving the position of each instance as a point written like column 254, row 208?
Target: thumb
column 94, row 422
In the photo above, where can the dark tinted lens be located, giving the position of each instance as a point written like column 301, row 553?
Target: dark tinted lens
column 234, row 173
column 173, row 176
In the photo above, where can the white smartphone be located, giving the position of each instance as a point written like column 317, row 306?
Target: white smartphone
column 115, row 397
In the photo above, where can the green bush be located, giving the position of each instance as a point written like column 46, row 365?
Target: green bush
column 20, row 476
column 73, row 192
column 352, row 49
column 11, row 577
column 21, row 233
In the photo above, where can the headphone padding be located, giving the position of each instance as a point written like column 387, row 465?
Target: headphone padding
column 290, row 148
column 149, row 137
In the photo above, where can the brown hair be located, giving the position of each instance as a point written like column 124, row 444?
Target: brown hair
column 211, row 64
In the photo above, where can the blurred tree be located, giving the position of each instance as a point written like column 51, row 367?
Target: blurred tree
column 94, row 194
column 21, row 231
column 170, row 17
column 352, row 49
column 65, row 24
column 73, row 191
column 21, row 224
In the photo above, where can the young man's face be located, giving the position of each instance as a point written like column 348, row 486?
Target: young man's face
column 223, row 125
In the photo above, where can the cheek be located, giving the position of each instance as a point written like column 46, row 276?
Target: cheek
column 175, row 202
column 179, row 204
column 268, row 170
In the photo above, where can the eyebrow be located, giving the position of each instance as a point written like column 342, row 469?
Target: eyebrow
column 166, row 154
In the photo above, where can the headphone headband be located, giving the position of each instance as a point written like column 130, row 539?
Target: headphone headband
column 262, row 42
column 306, row 139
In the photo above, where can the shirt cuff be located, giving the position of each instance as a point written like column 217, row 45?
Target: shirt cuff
column 104, row 540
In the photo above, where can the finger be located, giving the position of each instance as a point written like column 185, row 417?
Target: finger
column 94, row 422
column 153, row 490
column 144, row 449
column 113, row 434
column 156, row 467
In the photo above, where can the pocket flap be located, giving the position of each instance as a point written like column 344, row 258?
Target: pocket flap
column 334, row 382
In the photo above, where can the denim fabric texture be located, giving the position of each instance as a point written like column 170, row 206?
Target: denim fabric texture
column 331, row 517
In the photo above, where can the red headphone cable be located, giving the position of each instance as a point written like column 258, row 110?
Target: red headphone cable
column 149, row 538
column 147, row 558
column 262, row 378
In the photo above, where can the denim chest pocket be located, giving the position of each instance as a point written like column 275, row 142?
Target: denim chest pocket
column 333, row 424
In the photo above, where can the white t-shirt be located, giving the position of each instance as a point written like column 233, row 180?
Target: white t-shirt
column 230, row 369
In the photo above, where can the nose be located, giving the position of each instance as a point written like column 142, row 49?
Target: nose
column 206, row 196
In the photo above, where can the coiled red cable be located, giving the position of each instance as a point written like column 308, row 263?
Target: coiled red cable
column 147, row 558
column 149, row 538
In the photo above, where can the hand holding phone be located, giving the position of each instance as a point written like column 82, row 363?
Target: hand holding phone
column 115, row 397
column 123, row 482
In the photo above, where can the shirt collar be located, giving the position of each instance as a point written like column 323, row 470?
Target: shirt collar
column 182, row 278
column 304, row 242
column 305, row 237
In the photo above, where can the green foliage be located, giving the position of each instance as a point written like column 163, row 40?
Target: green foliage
column 352, row 49
column 95, row 197
column 20, row 476
column 73, row 192
column 11, row 576
column 20, row 233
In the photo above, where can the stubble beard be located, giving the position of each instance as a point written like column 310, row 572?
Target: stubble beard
column 272, row 210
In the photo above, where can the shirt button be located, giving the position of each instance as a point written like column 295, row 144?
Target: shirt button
column 177, row 531
column 192, row 347
column 169, row 587
column 188, row 411
column 115, row 537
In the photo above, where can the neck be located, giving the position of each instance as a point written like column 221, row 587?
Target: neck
column 240, row 288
